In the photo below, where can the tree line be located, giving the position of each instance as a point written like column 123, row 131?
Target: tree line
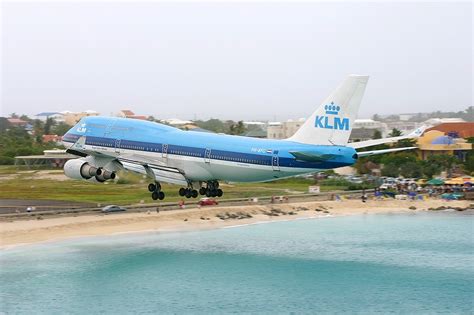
column 17, row 141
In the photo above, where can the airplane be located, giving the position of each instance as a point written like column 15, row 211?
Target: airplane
column 199, row 161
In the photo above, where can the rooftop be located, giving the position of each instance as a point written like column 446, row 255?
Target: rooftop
column 462, row 129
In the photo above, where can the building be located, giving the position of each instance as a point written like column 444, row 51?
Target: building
column 256, row 133
column 52, row 138
column 438, row 121
column 17, row 122
column 283, row 130
column 58, row 117
column 456, row 129
column 405, row 117
column 258, row 125
column 370, row 124
column 126, row 113
column 72, row 118
column 177, row 122
column 405, row 127
column 361, row 134
column 434, row 142
column 364, row 129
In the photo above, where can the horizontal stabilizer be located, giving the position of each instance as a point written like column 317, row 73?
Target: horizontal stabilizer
column 369, row 153
column 364, row 144
column 309, row 156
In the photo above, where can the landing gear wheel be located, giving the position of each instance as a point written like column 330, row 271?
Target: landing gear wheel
column 219, row 192
column 161, row 195
column 155, row 195
column 202, row 191
column 194, row 193
column 208, row 193
column 182, row 192
column 151, row 187
column 188, row 193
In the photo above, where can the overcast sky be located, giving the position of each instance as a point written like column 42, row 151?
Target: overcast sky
column 252, row 61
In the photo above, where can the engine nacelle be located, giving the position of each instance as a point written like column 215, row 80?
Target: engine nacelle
column 104, row 175
column 80, row 169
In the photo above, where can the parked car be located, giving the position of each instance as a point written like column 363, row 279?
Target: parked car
column 207, row 202
column 355, row 179
column 113, row 208
column 387, row 186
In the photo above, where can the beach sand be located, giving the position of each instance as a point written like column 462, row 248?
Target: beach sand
column 50, row 229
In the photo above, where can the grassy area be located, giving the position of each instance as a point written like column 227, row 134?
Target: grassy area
column 8, row 169
column 130, row 188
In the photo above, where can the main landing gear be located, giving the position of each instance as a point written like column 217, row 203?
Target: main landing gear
column 188, row 192
column 211, row 190
column 156, row 193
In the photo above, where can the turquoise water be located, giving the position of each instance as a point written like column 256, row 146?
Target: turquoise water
column 414, row 263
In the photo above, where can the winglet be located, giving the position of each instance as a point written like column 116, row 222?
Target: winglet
column 418, row 132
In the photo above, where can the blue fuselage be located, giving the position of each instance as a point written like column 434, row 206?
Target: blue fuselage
column 225, row 157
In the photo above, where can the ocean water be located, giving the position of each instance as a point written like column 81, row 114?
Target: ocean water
column 400, row 263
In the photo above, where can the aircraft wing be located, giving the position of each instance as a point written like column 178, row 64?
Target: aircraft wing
column 132, row 162
column 412, row 135
column 157, row 170
column 78, row 148
column 369, row 153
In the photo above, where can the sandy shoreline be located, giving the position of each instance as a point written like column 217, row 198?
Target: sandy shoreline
column 51, row 229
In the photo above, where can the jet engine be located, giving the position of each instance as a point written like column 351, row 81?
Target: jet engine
column 81, row 169
column 104, row 175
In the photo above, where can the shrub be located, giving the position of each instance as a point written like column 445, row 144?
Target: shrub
column 6, row 160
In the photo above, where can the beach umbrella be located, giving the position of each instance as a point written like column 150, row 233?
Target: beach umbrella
column 435, row 181
column 421, row 181
column 458, row 180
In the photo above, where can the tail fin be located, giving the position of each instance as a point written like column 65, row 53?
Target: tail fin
column 331, row 123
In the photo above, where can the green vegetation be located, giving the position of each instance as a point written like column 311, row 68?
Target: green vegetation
column 229, row 126
column 408, row 165
column 15, row 141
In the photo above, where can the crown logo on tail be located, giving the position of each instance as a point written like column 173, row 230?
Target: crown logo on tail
column 332, row 109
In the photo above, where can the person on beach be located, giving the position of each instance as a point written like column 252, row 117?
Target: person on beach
column 378, row 194
column 364, row 196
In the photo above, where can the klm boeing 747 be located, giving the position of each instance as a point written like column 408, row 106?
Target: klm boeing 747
column 198, row 161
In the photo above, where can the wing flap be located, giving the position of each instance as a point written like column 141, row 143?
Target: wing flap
column 160, row 173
